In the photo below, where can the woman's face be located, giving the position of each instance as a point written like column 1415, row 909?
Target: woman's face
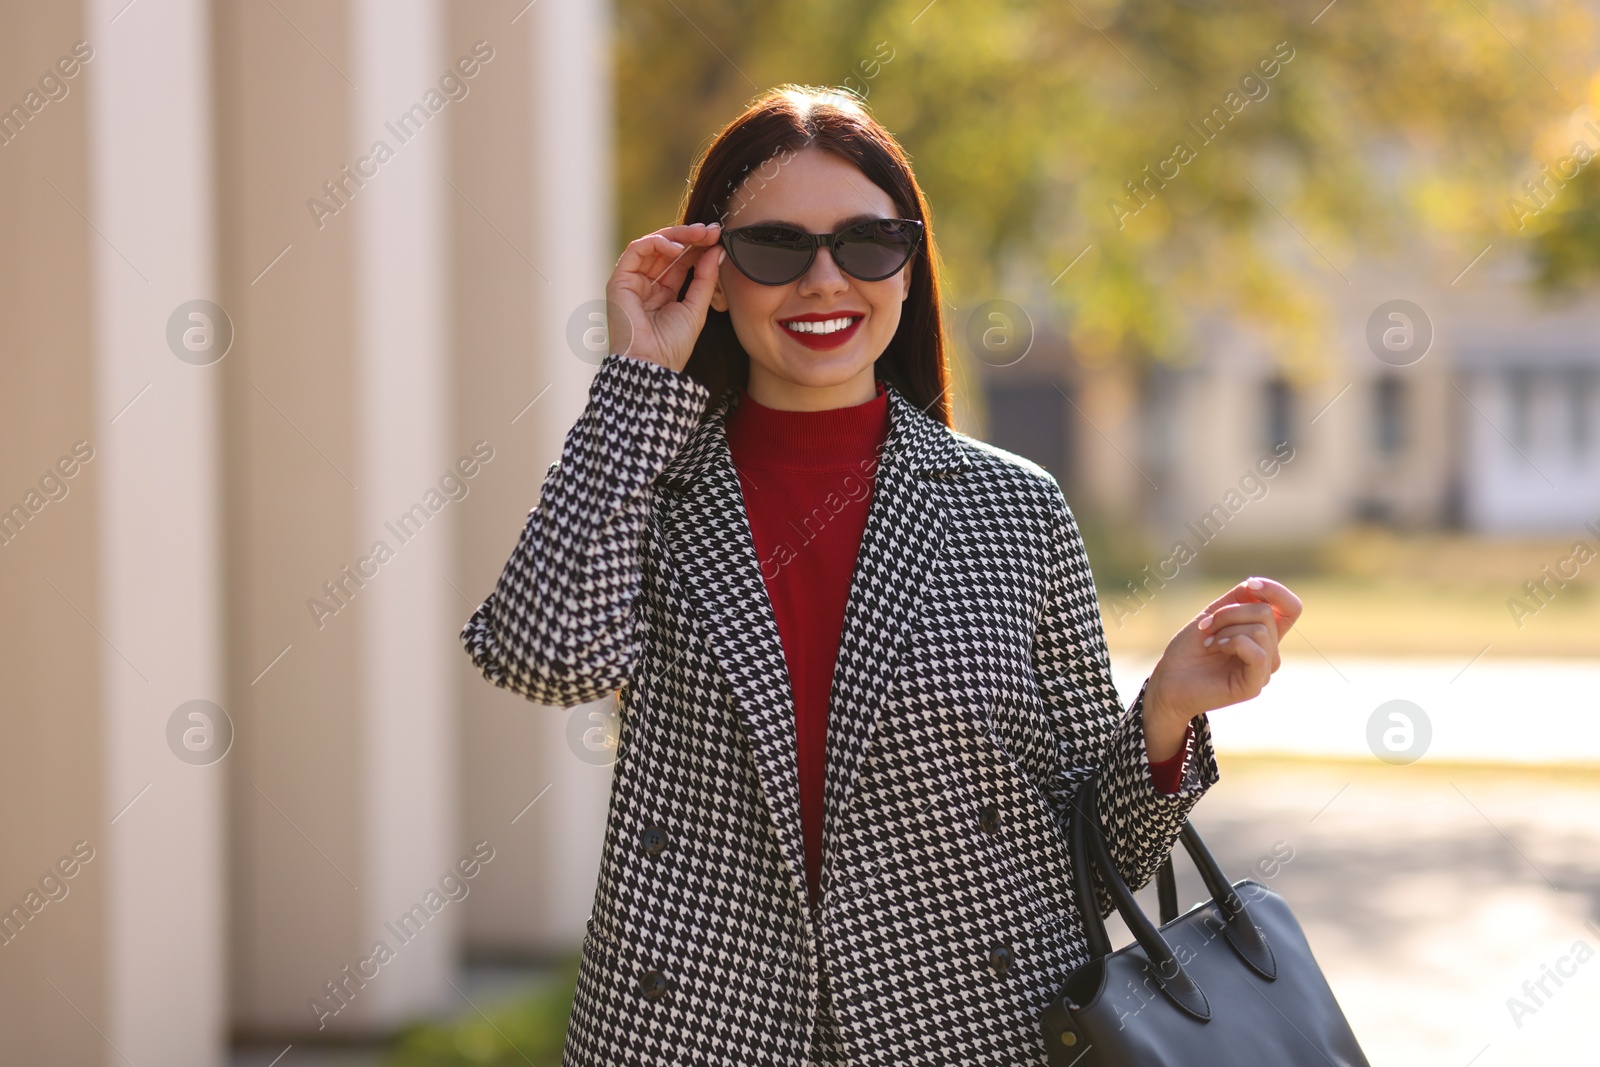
column 818, row 192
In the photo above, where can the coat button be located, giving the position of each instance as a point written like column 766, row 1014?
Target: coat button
column 653, row 839
column 652, row 985
column 1000, row 957
column 989, row 819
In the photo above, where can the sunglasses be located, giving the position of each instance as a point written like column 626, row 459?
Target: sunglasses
column 869, row 251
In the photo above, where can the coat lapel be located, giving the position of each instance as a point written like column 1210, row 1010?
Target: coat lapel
column 899, row 549
column 708, row 539
column 707, row 530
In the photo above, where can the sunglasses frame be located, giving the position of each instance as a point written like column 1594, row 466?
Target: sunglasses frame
column 832, row 240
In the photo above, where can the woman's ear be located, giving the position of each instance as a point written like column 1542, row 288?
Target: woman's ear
column 719, row 299
column 906, row 274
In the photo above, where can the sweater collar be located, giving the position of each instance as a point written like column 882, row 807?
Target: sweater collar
column 762, row 436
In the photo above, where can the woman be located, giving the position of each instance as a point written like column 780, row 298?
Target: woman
column 860, row 660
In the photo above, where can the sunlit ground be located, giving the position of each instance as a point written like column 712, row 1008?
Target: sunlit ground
column 1429, row 894
column 1430, row 891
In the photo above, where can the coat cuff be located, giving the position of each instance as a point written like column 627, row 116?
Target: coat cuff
column 1168, row 773
column 1140, row 822
column 1130, row 763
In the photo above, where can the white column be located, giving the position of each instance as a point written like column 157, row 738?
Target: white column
column 572, row 241
column 151, row 209
column 408, row 643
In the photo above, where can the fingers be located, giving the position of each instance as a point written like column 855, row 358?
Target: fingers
column 1258, row 635
column 1283, row 601
column 1232, row 613
column 654, row 254
column 692, row 232
column 1262, row 590
column 698, row 298
column 650, row 256
column 1255, row 610
column 700, row 235
column 1245, row 648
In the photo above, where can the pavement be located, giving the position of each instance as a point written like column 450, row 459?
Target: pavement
column 1429, row 894
column 1524, row 712
column 1445, row 820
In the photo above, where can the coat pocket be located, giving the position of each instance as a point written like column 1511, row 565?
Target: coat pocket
column 1033, row 837
column 598, row 948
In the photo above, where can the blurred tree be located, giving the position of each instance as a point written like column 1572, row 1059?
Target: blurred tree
column 1283, row 142
column 1562, row 218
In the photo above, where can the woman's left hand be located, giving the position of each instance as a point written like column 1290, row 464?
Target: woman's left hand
column 1224, row 655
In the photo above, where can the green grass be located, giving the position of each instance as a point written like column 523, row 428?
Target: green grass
column 515, row 1033
column 1372, row 592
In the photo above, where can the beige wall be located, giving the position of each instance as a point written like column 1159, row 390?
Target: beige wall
column 114, row 588
column 289, row 507
column 370, row 354
column 50, row 788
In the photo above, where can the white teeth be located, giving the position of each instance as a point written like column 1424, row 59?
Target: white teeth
column 827, row 326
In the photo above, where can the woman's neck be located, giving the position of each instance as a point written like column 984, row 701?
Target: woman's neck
column 771, row 391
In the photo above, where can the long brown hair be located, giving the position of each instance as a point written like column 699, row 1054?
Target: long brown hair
column 783, row 121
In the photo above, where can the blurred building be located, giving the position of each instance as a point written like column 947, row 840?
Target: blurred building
column 287, row 293
column 1472, row 406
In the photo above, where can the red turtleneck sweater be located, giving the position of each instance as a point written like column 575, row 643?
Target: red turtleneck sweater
column 807, row 478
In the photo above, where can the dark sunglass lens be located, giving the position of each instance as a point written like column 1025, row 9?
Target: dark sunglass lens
column 876, row 249
column 770, row 254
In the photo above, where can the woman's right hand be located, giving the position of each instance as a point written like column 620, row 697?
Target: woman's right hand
column 644, row 317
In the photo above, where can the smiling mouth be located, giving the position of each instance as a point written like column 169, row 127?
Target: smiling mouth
column 825, row 326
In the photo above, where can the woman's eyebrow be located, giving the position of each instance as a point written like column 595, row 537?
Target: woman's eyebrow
column 841, row 224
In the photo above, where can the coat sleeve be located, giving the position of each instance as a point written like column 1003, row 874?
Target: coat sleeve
column 1094, row 734
column 561, row 626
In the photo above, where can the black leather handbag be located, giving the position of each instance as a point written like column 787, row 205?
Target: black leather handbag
column 1230, row 983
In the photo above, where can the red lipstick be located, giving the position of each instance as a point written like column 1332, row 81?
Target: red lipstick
column 822, row 341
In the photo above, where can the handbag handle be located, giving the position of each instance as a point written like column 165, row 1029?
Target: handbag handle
column 1210, row 873
column 1089, row 852
column 1160, row 964
column 1241, row 932
column 1167, row 890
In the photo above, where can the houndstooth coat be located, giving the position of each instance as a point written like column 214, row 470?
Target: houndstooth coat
column 972, row 695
